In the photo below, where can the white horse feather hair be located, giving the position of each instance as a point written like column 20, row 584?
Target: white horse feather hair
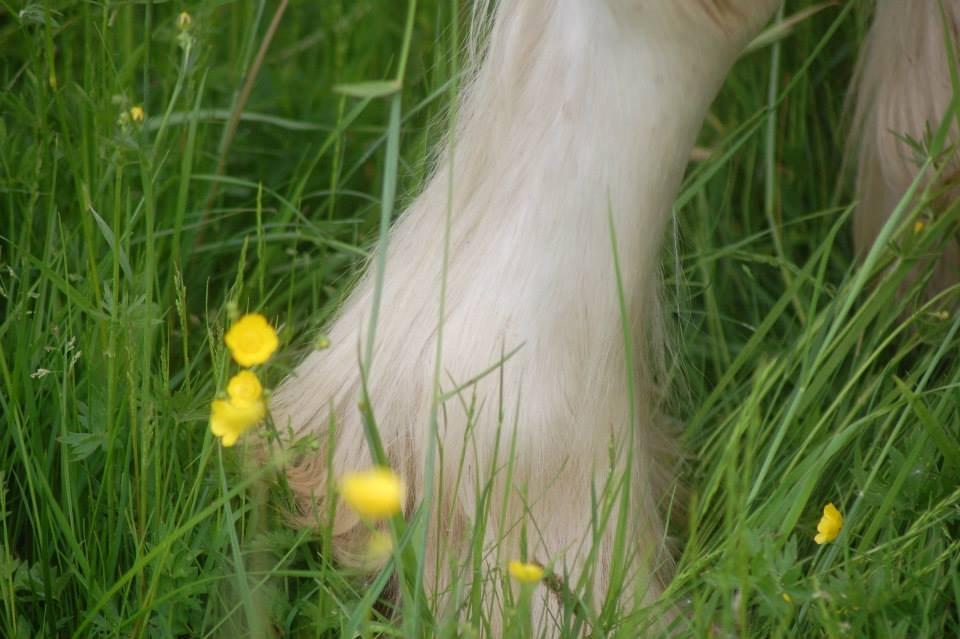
column 904, row 90
column 580, row 116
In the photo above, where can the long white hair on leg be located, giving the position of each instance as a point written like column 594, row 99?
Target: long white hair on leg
column 903, row 91
column 580, row 117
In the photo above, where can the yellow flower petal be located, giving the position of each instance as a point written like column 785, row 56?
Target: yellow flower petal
column 230, row 419
column 374, row 494
column 137, row 114
column 244, row 387
column 251, row 340
column 229, row 439
column 525, row 573
column 184, row 20
column 831, row 523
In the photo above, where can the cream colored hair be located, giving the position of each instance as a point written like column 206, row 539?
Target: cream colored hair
column 903, row 93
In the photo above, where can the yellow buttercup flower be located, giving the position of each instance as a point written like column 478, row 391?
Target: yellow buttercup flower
column 184, row 20
column 830, row 524
column 525, row 573
column 379, row 547
column 375, row 494
column 375, row 553
column 244, row 387
column 251, row 340
column 229, row 419
column 919, row 226
column 137, row 114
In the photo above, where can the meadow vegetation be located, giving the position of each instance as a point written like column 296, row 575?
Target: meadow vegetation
column 160, row 173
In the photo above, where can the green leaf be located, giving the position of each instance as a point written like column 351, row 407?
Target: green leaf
column 369, row 90
column 947, row 446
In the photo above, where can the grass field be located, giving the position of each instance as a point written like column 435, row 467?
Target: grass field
column 806, row 378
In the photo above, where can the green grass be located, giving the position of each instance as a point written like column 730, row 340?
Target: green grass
column 806, row 379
